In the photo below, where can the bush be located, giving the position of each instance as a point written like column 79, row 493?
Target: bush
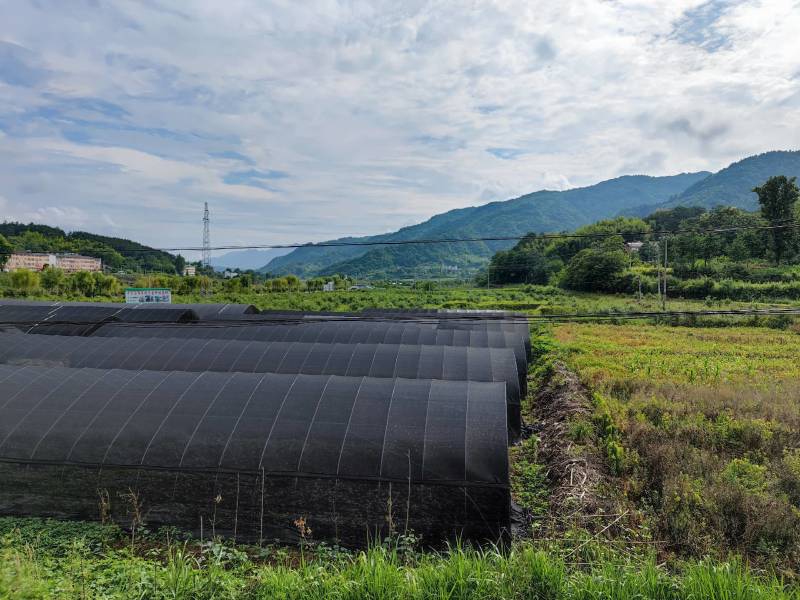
column 595, row 270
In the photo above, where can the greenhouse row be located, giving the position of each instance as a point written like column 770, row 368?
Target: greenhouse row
column 220, row 419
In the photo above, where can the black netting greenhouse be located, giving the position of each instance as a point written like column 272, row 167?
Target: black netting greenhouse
column 461, row 319
column 78, row 319
column 246, row 455
column 452, row 363
column 202, row 310
column 346, row 332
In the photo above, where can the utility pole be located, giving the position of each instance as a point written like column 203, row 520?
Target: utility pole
column 206, row 255
column 664, row 297
column 206, row 237
column 488, row 276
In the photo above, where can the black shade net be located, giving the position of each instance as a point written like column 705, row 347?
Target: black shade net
column 201, row 309
column 347, row 332
column 254, row 452
column 450, row 363
column 84, row 319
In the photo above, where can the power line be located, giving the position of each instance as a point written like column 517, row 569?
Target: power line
column 533, row 236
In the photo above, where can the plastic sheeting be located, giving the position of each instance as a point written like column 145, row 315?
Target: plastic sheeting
column 253, row 452
column 451, row 363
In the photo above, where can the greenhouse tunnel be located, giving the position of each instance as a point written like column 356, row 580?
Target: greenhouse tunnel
column 451, row 363
column 83, row 320
column 247, row 454
column 348, row 332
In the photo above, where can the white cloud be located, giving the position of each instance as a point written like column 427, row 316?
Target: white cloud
column 379, row 112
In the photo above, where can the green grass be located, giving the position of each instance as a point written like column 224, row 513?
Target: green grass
column 74, row 568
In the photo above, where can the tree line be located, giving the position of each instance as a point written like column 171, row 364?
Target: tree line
column 611, row 262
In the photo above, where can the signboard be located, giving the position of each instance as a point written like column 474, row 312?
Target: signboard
column 148, row 296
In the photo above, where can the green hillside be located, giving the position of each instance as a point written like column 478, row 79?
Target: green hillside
column 116, row 253
column 540, row 211
column 732, row 186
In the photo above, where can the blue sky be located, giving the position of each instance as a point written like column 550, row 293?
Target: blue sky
column 304, row 121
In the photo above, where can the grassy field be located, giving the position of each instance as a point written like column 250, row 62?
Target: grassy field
column 701, row 429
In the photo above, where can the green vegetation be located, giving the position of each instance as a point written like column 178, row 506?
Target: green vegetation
column 116, row 253
column 54, row 283
column 701, row 431
column 732, row 263
column 43, row 559
column 5, row 250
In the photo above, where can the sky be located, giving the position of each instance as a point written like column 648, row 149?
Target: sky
column 306, row 121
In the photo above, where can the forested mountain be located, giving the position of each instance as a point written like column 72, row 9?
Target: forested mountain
column 116, row 253
column 540, row 211
column 733, row 185
column 544, row 211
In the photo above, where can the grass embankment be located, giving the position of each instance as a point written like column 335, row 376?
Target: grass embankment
column 701, row 430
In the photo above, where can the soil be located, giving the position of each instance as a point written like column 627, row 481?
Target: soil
column 575, row 472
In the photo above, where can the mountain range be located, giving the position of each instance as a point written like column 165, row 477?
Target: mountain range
column 542, row 211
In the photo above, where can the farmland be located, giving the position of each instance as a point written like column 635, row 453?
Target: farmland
column 701, row 431
column 691, row 432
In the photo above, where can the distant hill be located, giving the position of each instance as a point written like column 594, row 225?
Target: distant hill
column 116, row 253
column 732, row 185
column 540, row 211
column 246, row 259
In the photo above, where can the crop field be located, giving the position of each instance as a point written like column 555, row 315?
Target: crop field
column 525, row 298
column 700, row 429
column 763, row 358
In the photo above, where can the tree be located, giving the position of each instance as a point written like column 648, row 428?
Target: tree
column 25, row 281
column 180, row 264
column 524, row 263
column 595, row 269
column 777, row 198
column 5, row 251
column 83, row 282
column 52, row 279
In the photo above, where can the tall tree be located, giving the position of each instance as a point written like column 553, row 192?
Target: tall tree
column 5, row 251
column 777, row 198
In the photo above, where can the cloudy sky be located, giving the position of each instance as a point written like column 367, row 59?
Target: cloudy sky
column 304, row 121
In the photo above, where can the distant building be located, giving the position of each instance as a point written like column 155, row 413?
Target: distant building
column 37, row 261
column 230, row 274
column 361, row 286
column 633, row 246
column 329, row 287
column 189, row 271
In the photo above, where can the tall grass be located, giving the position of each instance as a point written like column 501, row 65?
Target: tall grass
column 383, row 572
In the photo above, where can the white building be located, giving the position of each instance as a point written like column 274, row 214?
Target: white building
column 37, row 261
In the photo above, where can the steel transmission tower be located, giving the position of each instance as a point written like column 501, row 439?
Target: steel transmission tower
column 206, row 238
